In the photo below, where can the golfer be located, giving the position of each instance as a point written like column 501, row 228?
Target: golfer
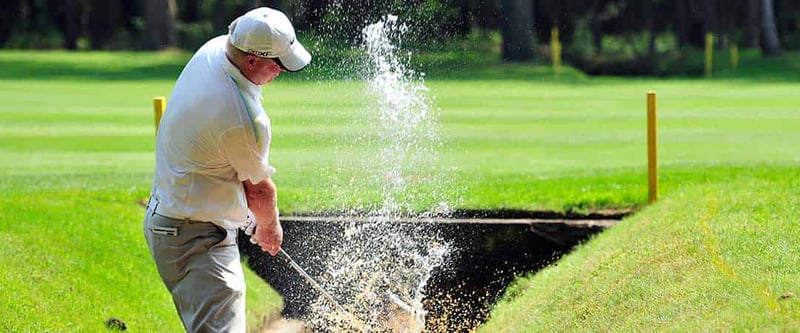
column 212, row 165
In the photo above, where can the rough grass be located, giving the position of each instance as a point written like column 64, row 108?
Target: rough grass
column 717, row 256
column 74, row 256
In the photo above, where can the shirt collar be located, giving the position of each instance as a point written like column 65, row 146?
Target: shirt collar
column 241, row 81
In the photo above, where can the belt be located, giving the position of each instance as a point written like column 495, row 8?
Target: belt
column 153, row 206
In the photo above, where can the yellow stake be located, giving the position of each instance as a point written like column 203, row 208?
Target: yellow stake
column 734, row 56
column 555, row 48
column 652, row 149
column 159, row 104
column 709, row 54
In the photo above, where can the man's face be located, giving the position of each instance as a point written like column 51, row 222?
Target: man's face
column 262, row 70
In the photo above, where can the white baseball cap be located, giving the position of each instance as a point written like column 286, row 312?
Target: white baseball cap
column 267, row 33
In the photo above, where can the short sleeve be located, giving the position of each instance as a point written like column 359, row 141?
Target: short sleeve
column 247, row 150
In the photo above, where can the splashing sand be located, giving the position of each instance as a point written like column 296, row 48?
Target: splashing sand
column 380, row 272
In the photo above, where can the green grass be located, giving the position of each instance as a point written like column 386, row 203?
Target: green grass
column 76, row 153
column 74, row 256
column 561, row 146
column 716, row 256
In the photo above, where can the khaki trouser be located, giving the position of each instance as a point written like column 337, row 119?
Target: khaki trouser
column 199, row 264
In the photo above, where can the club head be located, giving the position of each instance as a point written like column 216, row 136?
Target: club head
column 400, row 303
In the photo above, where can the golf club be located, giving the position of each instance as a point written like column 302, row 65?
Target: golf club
column 361, row 326
column 310, row 280
column 249, row 229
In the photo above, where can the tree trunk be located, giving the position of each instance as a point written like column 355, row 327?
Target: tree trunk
column 517, row 30
column 71, row 23
column 129, row 10
column 247, row 5
column 251, row 4
column 711, row 17
column 159, row 24
column 726, row 21
column 771, row 45
column 9, row 18
column 464, row 24
column 277, row 4
column 651, row 25
column 103, row 22
column 681, row 19
column 753, row 27
column 597, row 34
column 191, row 11
column 698, row 22
column 220, row 18
column 596, row 26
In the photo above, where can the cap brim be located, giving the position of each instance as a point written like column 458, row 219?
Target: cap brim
column 297, row 58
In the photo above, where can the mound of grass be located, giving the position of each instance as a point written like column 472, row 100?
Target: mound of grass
column 718, row 256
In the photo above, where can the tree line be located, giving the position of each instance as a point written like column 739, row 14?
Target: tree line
column 523, row 25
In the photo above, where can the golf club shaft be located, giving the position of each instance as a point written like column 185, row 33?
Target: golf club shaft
column 361, row 325
column 311, row 281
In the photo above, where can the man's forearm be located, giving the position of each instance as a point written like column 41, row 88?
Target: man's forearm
column 262, row 198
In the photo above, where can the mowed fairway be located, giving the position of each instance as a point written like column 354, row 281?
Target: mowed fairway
column 76, row 154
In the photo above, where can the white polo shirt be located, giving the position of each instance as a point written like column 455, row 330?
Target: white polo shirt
column 214, row 134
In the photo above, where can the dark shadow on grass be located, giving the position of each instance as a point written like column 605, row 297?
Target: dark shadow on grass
column 116, row 70
column 142, row 66
column 20, row 69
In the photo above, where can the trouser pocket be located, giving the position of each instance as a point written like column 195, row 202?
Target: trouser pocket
column 164, row 231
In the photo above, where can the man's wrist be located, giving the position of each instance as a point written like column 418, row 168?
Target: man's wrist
column 268, row 217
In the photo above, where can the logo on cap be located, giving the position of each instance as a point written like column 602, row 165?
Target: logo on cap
column 263, row 54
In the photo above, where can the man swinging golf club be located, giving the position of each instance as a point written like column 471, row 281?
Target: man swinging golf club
column 212, row 166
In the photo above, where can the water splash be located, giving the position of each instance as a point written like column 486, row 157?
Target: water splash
column 380, row 272
column 380, row 277
column 406, row 126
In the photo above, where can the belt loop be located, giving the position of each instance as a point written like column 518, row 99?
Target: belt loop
column 153, row 212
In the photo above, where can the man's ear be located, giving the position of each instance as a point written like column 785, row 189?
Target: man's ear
column 250, row 61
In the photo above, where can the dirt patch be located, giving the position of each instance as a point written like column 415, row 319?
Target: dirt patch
column 284, row 325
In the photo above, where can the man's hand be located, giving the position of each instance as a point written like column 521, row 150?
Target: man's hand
column 269, row 234
column 262, row 202
column 268, row 242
